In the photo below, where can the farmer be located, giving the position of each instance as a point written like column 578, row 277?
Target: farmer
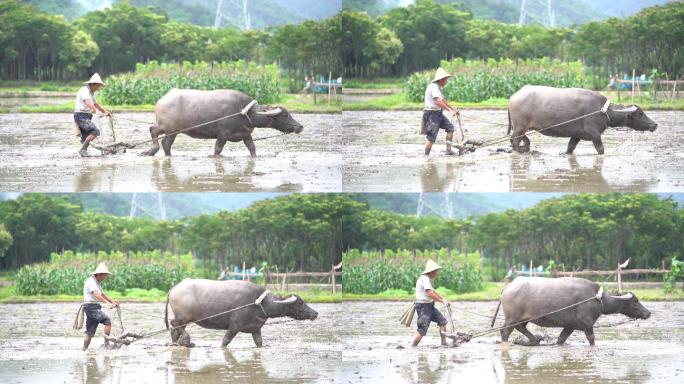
column 433, row 118
column 83, row 113
column 92, row 297
column 425, row 304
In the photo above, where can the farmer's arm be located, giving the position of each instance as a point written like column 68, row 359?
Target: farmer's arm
column 436, row 296
column 103, row 298
column 444, row 105
column 96, row 106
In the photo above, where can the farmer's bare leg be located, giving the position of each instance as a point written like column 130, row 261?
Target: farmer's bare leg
column 228, row 337
column 84, row 148
column 258, row 341
column 249, row 143
column 428, row 147
column 416, row 339
column 442, row 334
column 154, row 132
column 107, row 331
column 167, row 142
column 565, row 333
column 86, row 341
column 449, row 138
column 572, row 144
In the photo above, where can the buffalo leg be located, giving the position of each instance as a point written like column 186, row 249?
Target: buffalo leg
column 505, row 333
column 258, row 341
column 249, row 143
column 526, row 143
column 218, row 146
column 228, row 337
column 154, row 132
column 589, row 332
column 598, row 144
column 167, row 142
column 572, row 144
column 522, row 328
column 565, row 333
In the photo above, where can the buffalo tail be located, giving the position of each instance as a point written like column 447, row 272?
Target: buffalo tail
column 495, row 313
column 509, row 122
column 166, row 311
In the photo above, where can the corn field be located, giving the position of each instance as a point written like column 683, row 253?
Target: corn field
column 371, row 272
column 151, row 81
column 66, row 276
column 475, row 81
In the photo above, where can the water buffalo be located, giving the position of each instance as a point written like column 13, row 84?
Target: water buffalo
column 183, row 108
column 529, row 297
column 195, row 299
column 534, row 108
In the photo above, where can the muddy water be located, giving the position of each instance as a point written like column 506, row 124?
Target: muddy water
column 37, row 345
column 377, row 349
column 383, row 152
column 38, row 153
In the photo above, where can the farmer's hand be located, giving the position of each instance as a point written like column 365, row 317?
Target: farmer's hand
column 446, row 303
column 455, row 112
column 108, row 113
column 114, row 304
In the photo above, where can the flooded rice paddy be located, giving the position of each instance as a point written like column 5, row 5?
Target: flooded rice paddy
column 351, row 342
column 356, row 151
column 37, row 345
column 39, row 153
column 384, row 152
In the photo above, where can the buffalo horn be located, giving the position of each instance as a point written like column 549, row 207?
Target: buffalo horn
column 633, row 108
column 272, row 112
column 289, row 300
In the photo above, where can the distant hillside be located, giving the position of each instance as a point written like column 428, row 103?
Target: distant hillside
column 464, row 204
column 264, row 13
column 508, row 11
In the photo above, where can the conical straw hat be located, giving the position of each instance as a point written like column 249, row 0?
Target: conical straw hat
column 430, row 266
column 101, row 268
column 440, row 74
column 95, row 79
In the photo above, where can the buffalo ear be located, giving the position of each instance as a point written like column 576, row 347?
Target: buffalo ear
column 289, row 300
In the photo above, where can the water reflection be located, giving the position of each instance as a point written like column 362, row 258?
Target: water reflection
column 443, row 178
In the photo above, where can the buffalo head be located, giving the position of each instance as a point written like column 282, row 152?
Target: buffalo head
column 280, row 119
column 631, row 306
column 634, row 117
column 296, row 308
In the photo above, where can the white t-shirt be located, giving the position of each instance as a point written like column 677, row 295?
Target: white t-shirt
column 422, row 286
column 91, row 285
column 84, row 94
column 431, row 92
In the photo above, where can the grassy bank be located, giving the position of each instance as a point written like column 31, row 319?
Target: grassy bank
column 39, row 86
column 9, row 296
column 378, row 83
column 294, row 103
column 492, row 291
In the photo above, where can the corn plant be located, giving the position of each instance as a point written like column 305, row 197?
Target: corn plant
column 475, row 81
column 151, row 81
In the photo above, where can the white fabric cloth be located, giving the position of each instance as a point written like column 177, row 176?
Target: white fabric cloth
column 84, row 94
column 423, row 284
column 91, row 285
column 431, row 92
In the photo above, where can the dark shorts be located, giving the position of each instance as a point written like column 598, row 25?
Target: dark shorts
column 426, row 314
column 433, row 121
column 86, row 125
column 94, row 317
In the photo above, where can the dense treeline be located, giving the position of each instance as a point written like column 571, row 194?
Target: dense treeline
column 297, row 232
column 311, row 232
column 404, row 40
